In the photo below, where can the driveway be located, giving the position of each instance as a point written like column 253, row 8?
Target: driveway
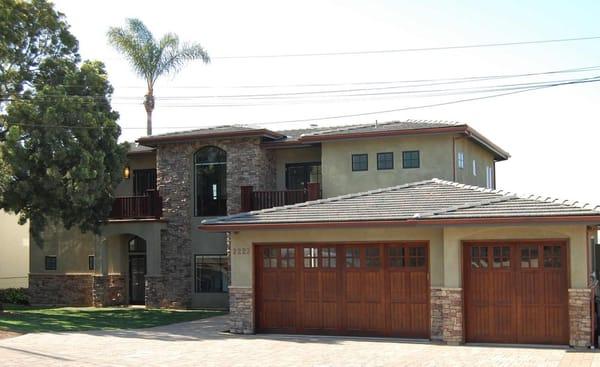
column 202, row 343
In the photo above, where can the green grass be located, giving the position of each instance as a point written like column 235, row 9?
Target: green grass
column 25, row 319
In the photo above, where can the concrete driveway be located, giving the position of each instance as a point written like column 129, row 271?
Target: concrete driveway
column 202, row 343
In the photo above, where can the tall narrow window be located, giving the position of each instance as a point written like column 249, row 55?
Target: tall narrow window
column 210, row 165
column 461, row 160
column 489, row 180
column 474, row 167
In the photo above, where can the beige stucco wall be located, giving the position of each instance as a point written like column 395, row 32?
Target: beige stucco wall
column 135, row 161
column 71, row 247
column 473, row 151
column 14, row 251
column 445, row 246
column 292, row 155
column 339, row 179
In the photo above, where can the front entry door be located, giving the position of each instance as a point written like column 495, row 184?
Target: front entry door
column 137, row 275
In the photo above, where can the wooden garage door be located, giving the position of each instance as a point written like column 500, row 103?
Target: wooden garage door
column 516, row 292
column 353, row 289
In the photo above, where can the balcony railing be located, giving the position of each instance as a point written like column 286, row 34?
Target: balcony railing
column 257, row 200
column 138, row 207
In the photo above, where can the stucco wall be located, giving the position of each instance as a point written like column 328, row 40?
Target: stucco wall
column 339, row 179
column 292, row 155
column 135, row 161
column 473, row 151
column 445, row 246
column 14, row 251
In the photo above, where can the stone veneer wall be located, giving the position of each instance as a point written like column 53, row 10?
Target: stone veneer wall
column 108, row 290
column 437, row 309
column 241, row 310
column 452, row 315
column 247, row 164
column 61, row 289
column 580, row 321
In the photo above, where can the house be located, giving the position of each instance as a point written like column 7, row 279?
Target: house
column 431, row 259
column 14, row 252
column 151, row 251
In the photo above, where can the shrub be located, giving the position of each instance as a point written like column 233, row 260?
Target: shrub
column 16, row 296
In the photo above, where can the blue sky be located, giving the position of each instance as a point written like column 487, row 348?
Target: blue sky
column 551, row 134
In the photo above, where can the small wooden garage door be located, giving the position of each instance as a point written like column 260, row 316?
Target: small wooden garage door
column 362, row 289
column 516, row 292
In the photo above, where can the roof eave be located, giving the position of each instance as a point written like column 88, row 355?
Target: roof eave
column 501, row 154
column 583, row 219
column 384, row 133
column 151, row 141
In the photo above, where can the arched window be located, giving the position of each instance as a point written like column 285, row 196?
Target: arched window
column 210, row 179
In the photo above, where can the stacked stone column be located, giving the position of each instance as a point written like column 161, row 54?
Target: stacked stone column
column 580, row 321
column 241, row 310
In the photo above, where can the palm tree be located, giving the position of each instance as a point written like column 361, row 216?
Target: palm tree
column 151, row 58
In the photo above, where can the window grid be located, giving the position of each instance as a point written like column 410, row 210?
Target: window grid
column 288, row 257
column 529, row 257
column 479, row 257
column 353, row 257
column 269, row 258
column 385, row 161
column 501, row 257
column 211, row 274
column 411, row 159
column 50, row 262
column 360, row 162
column 372, row 258
column 474, row 167
column 416, row 257
column 396, row 257
column 461, row 160
column 552, row 257
column 311, row 257
column 328, row 257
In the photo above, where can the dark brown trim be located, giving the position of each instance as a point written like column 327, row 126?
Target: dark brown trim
column 149, row 140
column 406, row 222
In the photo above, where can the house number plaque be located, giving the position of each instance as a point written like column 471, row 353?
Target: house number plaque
column 241, row 251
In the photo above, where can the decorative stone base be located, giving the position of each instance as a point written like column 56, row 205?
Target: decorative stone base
column 166, row 292
column 580, row 321
column 61, row 289
column 437, row 319
column 452, row 315
column 108, row 290
column 241, row 310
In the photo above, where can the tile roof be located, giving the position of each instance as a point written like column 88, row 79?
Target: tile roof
column 430, row 199
column 220, row 131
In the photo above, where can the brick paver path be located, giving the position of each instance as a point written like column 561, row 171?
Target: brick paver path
column 202, row 343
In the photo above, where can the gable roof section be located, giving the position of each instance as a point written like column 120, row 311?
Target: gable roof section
column 433, row 201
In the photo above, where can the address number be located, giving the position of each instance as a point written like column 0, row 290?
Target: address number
column 241, row 251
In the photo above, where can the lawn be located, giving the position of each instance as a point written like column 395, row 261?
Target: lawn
column 24, row 319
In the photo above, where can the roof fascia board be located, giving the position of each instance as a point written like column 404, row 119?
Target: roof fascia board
column 152, row 141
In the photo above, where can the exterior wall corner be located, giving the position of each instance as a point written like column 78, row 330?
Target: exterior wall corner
column 241, row 310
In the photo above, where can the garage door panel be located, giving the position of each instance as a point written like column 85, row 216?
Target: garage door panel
column 344, row 289
column 521, row 297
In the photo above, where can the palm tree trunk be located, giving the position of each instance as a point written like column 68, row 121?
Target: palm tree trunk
column 149, row 105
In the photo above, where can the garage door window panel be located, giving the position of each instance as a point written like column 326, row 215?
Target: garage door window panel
column 270, row 257
column 353, row 257
column 479, row 257
column 328, row 257
column 530, row 257
column 311, row 257
column 501, row 257
column 288, row 257
column 372, row 258
column 396, row 257
column 416, row 257
column 552, row 257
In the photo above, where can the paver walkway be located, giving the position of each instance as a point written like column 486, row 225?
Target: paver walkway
column 202, row 343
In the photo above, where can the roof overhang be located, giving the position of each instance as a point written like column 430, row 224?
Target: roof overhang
column 582, row 219
column 152, row 141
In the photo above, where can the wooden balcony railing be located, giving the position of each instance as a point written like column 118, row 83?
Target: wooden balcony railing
column 138, row 207
column 257, row 200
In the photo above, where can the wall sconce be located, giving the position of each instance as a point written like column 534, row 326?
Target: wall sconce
column 126, row 172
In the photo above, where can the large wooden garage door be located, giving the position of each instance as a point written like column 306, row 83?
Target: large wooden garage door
column 516, row 292
column 362, row 289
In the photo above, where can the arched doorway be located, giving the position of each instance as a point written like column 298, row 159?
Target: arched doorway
column 137, row 270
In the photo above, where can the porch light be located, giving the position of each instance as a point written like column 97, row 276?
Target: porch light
column 126, row 172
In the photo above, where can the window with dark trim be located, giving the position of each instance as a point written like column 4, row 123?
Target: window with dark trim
column 385, row 160
column 298, row 175
column 360, row 162
column 143, row 180
column 50, row 262
column 210, row 166
column 91, row 262
column 211, row 274
column 411, row 159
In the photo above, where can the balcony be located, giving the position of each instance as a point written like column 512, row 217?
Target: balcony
column 257, row 200
column 147, row 206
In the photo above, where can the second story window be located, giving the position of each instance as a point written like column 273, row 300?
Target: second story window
column 461, row 160
column 360, row 162
column 143, row 180
column 411, row 159
column 474, row 167
column 489, row 177
column 210, row 171
column 385, row 160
